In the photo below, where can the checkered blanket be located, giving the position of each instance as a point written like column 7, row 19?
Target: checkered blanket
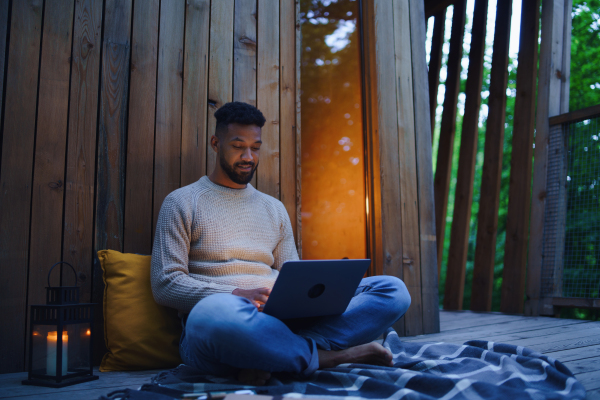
column 475, row 370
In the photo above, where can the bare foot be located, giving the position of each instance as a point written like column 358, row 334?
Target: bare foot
column 253, row 377
column 370, row 353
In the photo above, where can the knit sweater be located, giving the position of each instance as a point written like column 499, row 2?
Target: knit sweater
column 213, row 239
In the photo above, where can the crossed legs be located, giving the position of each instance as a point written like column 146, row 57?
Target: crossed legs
column 225, row 334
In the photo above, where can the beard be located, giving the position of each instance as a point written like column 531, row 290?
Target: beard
column 239, row 178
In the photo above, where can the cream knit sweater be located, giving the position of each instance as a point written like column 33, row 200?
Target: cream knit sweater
column 213, row 239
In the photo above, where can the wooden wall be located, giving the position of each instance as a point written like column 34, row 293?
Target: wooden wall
column 108, row 106
column 402, row 219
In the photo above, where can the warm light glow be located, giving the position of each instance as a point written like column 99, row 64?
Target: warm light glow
column 88, row 332
column 51, row 347
column 35, row 333
column 332, row 161
column 367, row 203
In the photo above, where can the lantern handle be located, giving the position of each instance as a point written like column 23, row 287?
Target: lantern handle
column 61, row 262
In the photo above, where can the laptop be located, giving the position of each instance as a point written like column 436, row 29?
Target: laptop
column 314, row 288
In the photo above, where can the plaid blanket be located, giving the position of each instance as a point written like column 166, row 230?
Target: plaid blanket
column 475, row 370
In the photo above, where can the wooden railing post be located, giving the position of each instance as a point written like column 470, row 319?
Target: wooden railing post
column 443, row 170
column 461, row 220
column 487, row 219
column 519, row 195
column 548, row 104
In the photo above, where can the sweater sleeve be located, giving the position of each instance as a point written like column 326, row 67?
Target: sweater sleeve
column 286, row 248
column 172, row 286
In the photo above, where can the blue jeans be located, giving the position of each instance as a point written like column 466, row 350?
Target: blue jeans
column 225, row 333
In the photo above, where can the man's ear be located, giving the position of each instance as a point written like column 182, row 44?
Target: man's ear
column 214, row 143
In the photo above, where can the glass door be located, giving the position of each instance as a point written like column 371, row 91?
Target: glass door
column 332, row 161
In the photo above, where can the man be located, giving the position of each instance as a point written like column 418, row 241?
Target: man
column 218, row 249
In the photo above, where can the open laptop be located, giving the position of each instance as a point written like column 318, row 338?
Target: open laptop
column 313, row 288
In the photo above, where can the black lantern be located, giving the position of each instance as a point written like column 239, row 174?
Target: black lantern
column 60, row 341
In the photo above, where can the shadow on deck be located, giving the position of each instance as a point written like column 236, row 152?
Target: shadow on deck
column 576, row 343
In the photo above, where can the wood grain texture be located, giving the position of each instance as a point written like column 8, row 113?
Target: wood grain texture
column 443, row 170
column 298, row 44
column 81, row 157
column 51, row 143
column 548, row 105
column 391, row 207
column 435, row 62
column 429, row 275
column 4, row 26
column 140, row 133
column 371, row 132
column 195, row 91
column 220, row 69
column 111, row 148
column 167, row 145
column 411, row 257
column 487, row 218
column 577, row 115
column 287, row 104
column 267, row 96
column 565, row 71
column 519, row 192
column 463, row 198
column 16, row 179
column 244, row 54
column 112, row 127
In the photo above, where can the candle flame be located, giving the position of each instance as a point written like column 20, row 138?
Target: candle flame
column 88, row 332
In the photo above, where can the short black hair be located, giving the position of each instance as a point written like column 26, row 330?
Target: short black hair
column 237, row 112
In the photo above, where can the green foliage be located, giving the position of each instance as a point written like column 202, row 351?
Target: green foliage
column 585, row 55
column 584, row 92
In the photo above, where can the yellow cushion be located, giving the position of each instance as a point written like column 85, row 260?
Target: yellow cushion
column 139, row 333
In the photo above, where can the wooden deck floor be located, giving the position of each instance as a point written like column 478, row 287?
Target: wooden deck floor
column 576, row 343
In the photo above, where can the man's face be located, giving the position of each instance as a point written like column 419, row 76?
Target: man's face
column 238, row 152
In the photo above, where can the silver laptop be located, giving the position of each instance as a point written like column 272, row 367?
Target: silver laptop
column 313, row 288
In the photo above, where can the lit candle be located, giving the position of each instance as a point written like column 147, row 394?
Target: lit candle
column 51, row 353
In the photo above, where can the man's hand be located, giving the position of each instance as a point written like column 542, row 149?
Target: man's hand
column 258, row 297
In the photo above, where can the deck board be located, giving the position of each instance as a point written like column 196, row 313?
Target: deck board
column 576, row 343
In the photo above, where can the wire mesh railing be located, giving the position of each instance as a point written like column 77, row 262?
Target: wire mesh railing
column 571, row 247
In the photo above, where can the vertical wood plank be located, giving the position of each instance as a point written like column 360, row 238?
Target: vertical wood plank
column 112, row 127
column 267, row 96
column 51, row 142
column 195, row 91
column 220, row 69
column 391, row 208
column 4, row 24
column 411, row 258
column 298, row 132
column 371, row 132
column 565, row 75
column 287, row 99
column 429, row 276
column 519, row 192
column 112, row 139
column 81, row 144
column 167, row 172
column 244, row 54
column 435, row 62
column 548, row 105
column 140, row 133
column 487, row 218
column 16, row 179
column 461, row 220
column 447, row 130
